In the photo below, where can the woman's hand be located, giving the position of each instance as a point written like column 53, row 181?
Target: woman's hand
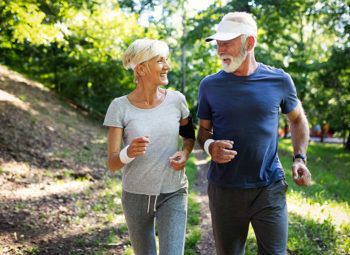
column 138, row 146
column 178, row 160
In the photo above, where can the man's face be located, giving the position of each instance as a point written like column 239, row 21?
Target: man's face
column 232, row 53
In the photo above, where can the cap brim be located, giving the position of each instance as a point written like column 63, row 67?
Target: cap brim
column 222, row 37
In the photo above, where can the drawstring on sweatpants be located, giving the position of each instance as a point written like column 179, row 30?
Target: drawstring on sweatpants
column 155, row 204
column 149, row 203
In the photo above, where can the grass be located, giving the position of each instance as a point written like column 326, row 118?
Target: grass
column 193, row 233
column 319, row 215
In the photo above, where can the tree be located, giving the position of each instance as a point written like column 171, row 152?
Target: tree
column 74, row 49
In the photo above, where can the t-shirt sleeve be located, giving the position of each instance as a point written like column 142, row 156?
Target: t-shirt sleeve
column 290, row 99
column 185, row 112
column 114, row 117
column 204, row 110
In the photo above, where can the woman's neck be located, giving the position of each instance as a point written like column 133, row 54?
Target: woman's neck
column 144, row 97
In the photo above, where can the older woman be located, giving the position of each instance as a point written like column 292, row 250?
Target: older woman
column 148, row 122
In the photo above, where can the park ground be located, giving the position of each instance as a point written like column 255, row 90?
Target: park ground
column 56, row 196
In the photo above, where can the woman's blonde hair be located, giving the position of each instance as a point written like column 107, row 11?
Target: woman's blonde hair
column 142, row 50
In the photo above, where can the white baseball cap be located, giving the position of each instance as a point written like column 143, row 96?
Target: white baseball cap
column 228, row 30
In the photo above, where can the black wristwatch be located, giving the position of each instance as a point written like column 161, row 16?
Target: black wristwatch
column 301, row 156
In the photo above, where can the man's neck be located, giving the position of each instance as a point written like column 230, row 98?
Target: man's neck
column 248, row 66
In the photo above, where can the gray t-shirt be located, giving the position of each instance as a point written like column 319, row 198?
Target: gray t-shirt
column 151, row 174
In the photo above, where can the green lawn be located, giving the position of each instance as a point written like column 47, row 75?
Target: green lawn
column 319, row 215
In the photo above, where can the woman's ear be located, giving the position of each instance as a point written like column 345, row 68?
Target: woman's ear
column 140, row 70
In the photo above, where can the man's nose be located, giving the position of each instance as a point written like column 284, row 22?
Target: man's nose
column 221, row 49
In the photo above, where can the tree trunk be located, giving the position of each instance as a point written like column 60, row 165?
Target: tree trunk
column 347, row 145
column 183, row 50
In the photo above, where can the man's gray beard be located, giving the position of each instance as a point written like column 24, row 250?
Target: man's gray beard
column 235, row 62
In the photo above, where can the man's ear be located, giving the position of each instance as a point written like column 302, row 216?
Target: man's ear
column 250, row 43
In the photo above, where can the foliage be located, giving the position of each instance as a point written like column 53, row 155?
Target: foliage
column 75, row 47
column 308, row 39
column 76, row 50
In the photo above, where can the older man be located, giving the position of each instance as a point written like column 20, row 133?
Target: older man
column 238, row 112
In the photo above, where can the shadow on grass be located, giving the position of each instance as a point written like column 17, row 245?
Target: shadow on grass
column 308, row 237
column 64, row 223
column 329, row 164
column 99, row 241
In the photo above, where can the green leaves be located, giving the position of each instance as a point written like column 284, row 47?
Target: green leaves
column 75, row 47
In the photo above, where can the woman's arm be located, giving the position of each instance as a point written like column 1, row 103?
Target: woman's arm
column 179, row 159
column 137, row 147
column 114, row 146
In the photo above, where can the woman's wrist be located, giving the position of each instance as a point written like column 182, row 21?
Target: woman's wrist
column 123, row 156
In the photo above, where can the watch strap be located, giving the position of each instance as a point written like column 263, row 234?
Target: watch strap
column 301, row 156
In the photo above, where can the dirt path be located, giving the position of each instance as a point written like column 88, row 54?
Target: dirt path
column 206, row 245
column 56, row 196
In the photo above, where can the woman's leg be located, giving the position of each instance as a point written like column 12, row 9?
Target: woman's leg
column 171, row 218
column 140, row 222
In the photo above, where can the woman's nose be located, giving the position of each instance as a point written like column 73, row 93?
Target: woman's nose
column 166, row 65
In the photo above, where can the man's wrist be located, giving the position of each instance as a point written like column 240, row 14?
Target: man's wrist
column 300, row 157
column 207, row 144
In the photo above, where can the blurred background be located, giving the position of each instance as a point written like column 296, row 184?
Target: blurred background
column 74, row 47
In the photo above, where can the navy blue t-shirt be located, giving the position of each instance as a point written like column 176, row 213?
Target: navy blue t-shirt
column 245, row 109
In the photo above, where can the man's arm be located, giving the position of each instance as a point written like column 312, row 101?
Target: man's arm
column 205, row 131
column 299, row 128
column 219, row 150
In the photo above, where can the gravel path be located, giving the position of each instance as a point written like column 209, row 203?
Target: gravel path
column 206, row 245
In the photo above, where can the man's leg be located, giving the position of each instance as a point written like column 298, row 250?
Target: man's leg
column 230, row 219
column 270, row 219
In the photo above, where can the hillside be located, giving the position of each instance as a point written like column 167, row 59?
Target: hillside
column 56, row 196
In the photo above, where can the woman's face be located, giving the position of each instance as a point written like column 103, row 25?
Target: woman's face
column 158, row 68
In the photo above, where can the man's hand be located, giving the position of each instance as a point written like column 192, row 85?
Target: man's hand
column 301, row 174
column 221, row 152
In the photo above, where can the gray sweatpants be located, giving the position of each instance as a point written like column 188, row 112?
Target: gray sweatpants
column 169, row 210
column 265, row 208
